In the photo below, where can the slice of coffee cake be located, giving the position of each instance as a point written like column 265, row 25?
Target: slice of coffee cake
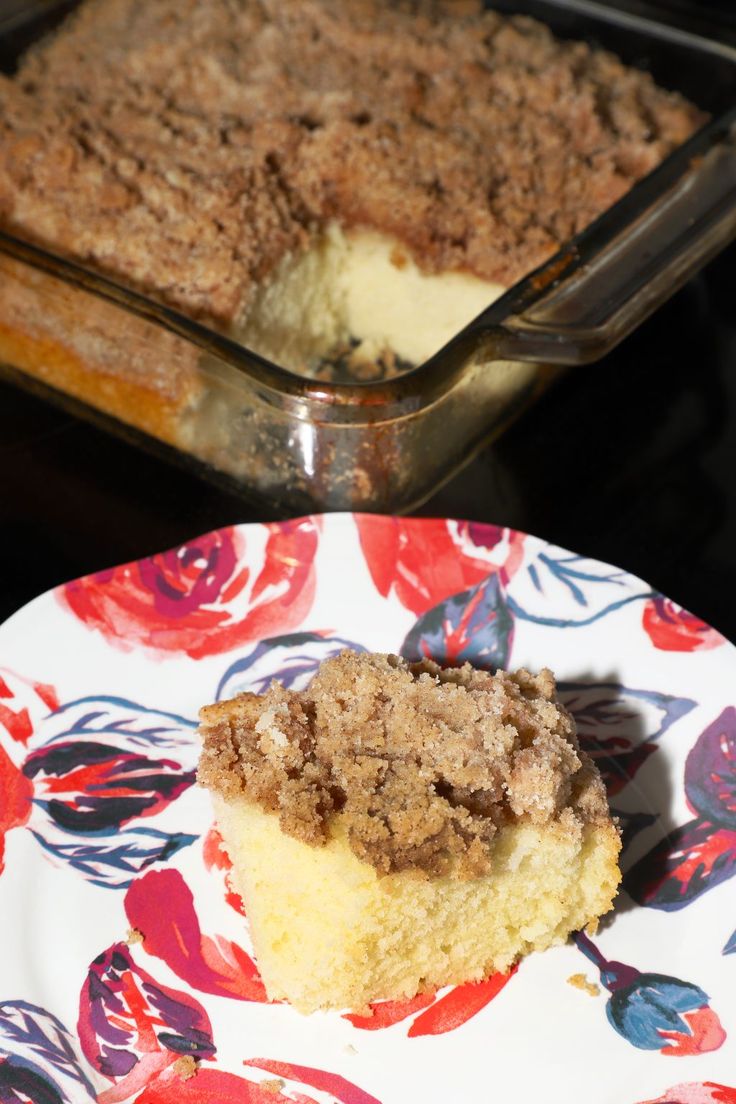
column 398, row 827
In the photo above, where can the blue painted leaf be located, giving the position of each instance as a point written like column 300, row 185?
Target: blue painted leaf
column 710, row 772
column 292, row 659
column 730, row 947
column 474, row 626
column 23, row 1082
column 584, row 589
column 617, row 710
column 90, row 788
column 102, row 767
column 42, row 1056
column 618, row 725
column 687, row 863
column 113, row 862
column 653, row 1004
column 114, row 720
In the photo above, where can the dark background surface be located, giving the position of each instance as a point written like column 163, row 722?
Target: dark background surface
column 632, row 460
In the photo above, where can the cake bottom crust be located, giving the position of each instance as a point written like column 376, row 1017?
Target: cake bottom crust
column 329, row 932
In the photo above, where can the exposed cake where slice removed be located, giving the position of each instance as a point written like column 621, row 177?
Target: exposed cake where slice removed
column 397, row 827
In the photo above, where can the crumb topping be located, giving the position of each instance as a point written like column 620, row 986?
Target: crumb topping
column 422, row 765
column 187, row 146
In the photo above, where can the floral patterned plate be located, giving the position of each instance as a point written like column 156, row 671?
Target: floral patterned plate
column 103, row 834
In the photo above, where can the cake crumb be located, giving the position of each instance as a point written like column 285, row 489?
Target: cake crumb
column 134, row 936
column 398, row 258
column 272, row 1085
column 185, row 1067
column 350, row 1049
column 422, row 765
column 580, row 981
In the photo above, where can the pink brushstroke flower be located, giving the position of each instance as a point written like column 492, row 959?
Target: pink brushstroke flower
column 16, row 794
column 389, row 1012
column 23, row 702
column 204, row 597
column 697, row 1092
column 437, row 1014
column 210, row 1086
column 672, row 629
column 425, row 561
column 459, row 1005
column 161, row 905
column 217, row 860
column 134, row 1031
column 344, row 1091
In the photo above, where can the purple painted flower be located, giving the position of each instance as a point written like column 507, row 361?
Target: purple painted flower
column 132, row 1028
column 701, row 854
column 206, row 597
column 656, row 1012
column 710, row 772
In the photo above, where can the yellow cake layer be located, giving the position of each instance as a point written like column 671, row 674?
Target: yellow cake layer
column 329, row 932
column 359, row 286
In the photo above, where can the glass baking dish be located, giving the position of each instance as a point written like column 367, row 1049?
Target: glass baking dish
column 299, row 444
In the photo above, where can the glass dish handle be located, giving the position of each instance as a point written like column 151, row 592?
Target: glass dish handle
column 587, row 313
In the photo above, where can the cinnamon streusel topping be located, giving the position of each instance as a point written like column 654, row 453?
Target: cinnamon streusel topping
column 187, row 146
column 422, row 765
